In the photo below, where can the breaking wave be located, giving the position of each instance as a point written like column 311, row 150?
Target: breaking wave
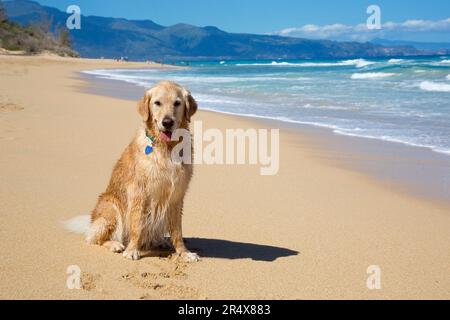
column 434, row 86
column 371, row 75
column 359, row 63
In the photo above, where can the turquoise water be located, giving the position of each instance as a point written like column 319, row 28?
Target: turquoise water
column 400, row 100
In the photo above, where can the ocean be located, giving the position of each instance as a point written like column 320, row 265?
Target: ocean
column 399, row 100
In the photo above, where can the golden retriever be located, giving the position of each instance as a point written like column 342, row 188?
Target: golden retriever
column 144, row 198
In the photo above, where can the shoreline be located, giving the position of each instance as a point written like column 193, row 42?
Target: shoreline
column 310, row 232
column 415, row 170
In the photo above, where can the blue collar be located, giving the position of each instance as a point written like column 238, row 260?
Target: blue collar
column 149, row 147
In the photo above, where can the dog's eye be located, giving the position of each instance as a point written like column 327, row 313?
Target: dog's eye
column 158, row 103
column 177, row 103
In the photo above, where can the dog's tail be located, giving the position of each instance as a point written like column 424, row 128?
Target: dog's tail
column 78, row 224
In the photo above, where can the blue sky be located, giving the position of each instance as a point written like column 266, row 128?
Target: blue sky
column 425, row 20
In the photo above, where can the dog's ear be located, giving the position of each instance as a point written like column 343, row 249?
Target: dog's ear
column 144, row 106
column 191, row 105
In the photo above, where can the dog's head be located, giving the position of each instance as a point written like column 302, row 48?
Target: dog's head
column 166, row 107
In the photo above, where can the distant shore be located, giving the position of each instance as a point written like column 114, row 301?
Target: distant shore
column 312, row 231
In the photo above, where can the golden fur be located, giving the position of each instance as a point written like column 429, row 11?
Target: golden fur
column 144, row 199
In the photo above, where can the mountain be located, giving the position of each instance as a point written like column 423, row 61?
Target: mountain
column 434, row 47
column 145, row 39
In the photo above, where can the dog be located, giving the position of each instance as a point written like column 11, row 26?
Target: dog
column 144, row 199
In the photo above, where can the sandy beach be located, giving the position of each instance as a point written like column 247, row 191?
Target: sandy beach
column 310, row 232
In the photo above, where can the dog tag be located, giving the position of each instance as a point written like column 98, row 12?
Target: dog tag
column 148, row 150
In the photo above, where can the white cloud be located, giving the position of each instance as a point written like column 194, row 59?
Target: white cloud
column 360, row 32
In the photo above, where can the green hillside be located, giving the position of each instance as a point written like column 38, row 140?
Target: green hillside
column 33, row 39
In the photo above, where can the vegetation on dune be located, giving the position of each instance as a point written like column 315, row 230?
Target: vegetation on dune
column 33, row 39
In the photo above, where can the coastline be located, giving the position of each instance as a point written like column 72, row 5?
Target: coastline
column 309, row 232
column 418, row 171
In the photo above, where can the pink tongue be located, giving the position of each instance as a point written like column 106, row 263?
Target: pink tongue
column 165, row 136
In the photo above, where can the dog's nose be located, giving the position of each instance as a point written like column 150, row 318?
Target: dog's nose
column 167, row 123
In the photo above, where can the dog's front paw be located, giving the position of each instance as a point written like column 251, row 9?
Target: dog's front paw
column 116, row 247
column 190, row 256
column 132, row 254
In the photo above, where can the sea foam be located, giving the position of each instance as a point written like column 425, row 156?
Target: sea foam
column 395, row 61
column 434, row 86
column 359, row 63
column 371, row 75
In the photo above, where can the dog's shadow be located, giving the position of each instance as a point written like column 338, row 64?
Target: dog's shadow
column 216, row 248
